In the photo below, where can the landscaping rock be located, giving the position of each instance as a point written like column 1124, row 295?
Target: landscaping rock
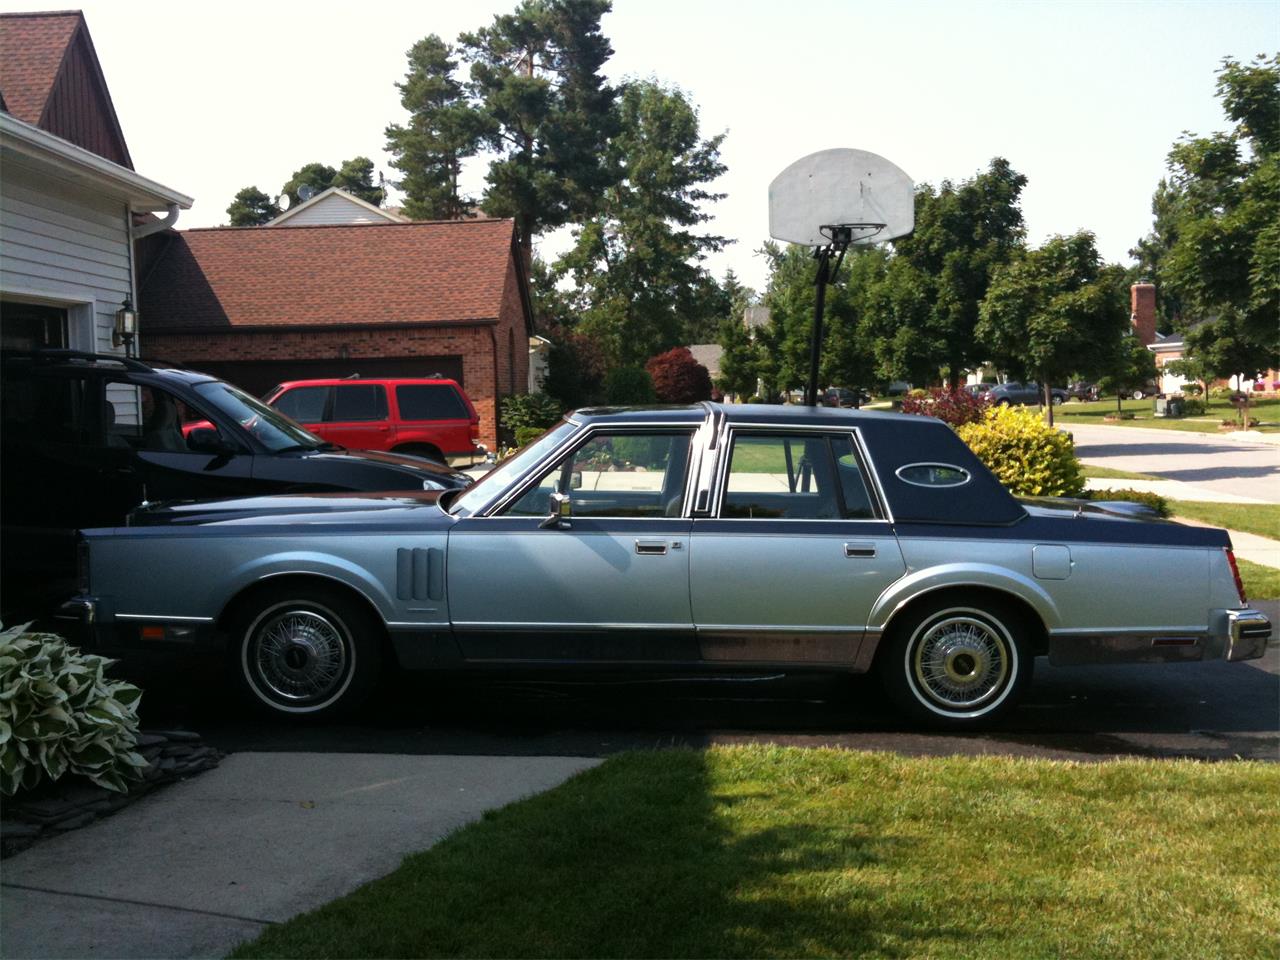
column 74, row 802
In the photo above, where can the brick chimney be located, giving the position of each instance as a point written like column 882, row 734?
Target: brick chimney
column 1142, row 304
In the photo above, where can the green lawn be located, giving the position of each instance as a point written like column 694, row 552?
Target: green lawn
column 1267, row 412
column 783, row 852
column 1260, row 582
column 1260, row 518
column 1107, row 473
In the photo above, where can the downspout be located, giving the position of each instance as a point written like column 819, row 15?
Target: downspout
column 155, row 226
column 136, row 233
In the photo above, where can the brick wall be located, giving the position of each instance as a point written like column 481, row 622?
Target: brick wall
column 474, row 344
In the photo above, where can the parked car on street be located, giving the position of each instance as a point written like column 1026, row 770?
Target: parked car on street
column 1083, row 390
column 86, row 438
column 430, row 418
column 1014, row 393
column 735, row 539
column 845, row 397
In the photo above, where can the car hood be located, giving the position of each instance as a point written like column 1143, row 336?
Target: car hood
column 446, row 476
column 291, row 509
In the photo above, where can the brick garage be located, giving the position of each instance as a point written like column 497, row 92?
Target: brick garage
column 260, row 305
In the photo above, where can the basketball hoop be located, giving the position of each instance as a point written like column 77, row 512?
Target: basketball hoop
column 832, row 200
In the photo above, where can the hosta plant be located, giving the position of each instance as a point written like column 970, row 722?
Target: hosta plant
column 1028, row 456
column 60, row 714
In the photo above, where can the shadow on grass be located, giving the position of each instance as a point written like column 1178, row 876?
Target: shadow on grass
column 656, row 858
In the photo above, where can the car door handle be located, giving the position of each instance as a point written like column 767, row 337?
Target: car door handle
column 651, row 548
column 859, row 550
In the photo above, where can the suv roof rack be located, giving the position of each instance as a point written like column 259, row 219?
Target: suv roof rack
column 57, row 353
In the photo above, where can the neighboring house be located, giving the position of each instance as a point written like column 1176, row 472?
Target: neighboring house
column 261, row 305
column 1167, row 348
column 539, row 362
column 335, row 205
column 708, row 354
column 71, row 204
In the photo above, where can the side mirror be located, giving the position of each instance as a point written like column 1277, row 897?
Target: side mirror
column 207, row 440
column 575, row 480
column 561, row 512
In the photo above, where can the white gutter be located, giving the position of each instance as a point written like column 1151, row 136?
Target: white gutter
column 77, row 164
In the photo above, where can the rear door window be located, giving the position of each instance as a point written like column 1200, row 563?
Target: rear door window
column 304, row 404
column 430, row 401
column 363, row 401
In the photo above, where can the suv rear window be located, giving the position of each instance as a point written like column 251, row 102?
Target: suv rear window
column 366, row 401
column 430, row 401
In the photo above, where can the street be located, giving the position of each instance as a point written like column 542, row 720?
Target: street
column 1243, row 469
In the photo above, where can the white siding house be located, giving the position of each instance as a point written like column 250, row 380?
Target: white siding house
column 332, row 206
column 66, row 235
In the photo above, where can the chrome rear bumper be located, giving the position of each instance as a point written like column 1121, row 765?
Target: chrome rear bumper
column 1247, row 634
column 1234, row 635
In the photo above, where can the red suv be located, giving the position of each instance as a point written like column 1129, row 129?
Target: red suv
column 426, row 418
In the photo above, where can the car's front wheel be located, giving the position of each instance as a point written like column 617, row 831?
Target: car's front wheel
column 303, row 653
column 1137, row 394
column 955, row 665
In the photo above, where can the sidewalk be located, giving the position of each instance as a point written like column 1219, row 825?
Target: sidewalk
column 1171, row 490
column 193, row 870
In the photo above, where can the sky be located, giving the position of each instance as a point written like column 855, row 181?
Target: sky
column 1084, row 98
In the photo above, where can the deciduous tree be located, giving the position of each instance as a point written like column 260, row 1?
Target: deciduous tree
column 1223, row 258
column 1053, row 311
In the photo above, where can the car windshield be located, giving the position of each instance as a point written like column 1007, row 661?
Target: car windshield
column 501, row 476
column 270, row 427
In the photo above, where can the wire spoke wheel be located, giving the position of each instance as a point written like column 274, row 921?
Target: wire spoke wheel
column 304, row 654
column 960, row 662
column 957, row 666
column 301, row 656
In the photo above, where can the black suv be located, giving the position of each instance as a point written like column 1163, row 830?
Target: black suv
column 86, row 438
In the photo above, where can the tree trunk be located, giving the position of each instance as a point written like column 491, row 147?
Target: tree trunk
column 1119, row 409
column 1047, row 394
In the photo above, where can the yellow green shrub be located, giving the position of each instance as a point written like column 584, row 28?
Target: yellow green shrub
column 1025, row 453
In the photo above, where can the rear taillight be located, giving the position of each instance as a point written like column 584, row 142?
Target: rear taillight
column 475, row 428
column 1235, row 572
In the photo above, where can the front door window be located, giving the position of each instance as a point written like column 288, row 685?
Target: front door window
column 615, row 475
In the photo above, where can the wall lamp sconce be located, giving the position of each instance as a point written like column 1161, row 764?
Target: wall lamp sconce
column 126, row 327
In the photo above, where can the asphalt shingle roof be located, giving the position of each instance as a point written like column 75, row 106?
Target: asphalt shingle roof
column 32, row 46
column 255, row 277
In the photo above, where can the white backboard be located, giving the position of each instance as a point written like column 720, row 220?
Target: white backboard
column 841, row 187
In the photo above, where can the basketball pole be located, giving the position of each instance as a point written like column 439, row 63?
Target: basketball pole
column 841, row 237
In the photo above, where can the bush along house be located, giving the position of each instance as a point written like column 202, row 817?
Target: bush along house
column 261, row 305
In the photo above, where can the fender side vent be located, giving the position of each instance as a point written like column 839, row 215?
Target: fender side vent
column 420, row 574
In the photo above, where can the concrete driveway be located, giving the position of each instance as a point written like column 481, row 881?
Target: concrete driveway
column 194, row 869
column 1235, row 467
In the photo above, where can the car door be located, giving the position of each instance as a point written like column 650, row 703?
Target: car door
column 150, row 420
column 795, row 553
column 358, row 417
column 609, row 584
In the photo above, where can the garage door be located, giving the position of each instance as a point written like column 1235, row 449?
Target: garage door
column 257, row 377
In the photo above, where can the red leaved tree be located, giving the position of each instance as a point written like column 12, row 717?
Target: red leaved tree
column 678, row 378
column 951, row 406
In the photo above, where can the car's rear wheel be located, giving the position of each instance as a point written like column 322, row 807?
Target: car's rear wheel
column 1057, row 401
column 302, row 652
column 956, row 665
column 1137, row 394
